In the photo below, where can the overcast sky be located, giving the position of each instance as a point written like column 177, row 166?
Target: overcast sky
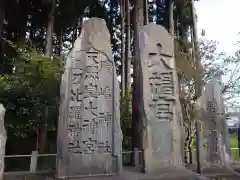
column 220, row 20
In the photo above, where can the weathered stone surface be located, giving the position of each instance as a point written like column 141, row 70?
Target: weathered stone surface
column 125, row 175
column 3, row 138
column 89, row 134
column 163, row 131
column 214, row 145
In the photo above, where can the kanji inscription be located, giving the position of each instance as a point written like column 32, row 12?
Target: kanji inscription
column 84, row 116
column 162, row 88
column 89, row 132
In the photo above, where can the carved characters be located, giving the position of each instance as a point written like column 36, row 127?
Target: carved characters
column 89, row 131
column 86, row 122
column 161, row 85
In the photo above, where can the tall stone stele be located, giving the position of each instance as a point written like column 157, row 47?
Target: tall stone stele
column 162, row 132
column 214, row 143
column 3, row 138
column 89, row 133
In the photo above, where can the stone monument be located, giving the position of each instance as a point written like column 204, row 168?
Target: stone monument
column 162, row 133
column 213, row 141
column 89, row 133
column 3, row 138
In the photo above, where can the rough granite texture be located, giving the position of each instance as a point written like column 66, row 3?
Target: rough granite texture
column 89, row 133
column 214, row 143
column 162, row 132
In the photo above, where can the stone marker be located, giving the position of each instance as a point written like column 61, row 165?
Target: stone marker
column 214, row 143
column 163, row 132
column 89, row 133
column 3, row 138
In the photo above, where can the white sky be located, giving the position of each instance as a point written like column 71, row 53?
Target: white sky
column 220, row 20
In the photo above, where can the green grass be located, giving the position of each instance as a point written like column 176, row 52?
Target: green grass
column 233, row 141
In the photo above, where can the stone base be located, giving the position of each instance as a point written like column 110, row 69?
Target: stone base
column 215, row 170
column 127, row 174
column 236, row 167
column 25, row 175
column 132, row 174
column 174, row 173
column 219, row 172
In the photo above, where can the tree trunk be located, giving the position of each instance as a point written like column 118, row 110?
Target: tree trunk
column 122, row 7
column 171, row 18
column 59, row 45
column 136, row 119
column 171, row 25
column 48, row 53
column 111, row 22
column 50, row 26
column 21, row 24
column 196, row 53
column 43, row 131
column 80, row 23
column 198, row 82
column 75, row 33
column 77, row 29
column 2, row 18
column 186, row 147
column 146, row 12
column 127, row 49
column 2, row 15
column 190, row 150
